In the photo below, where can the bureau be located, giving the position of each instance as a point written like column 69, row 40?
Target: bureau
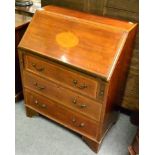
column 74, row 67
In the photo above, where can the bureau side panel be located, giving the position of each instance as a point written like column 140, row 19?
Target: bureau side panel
column 116, row 85
column 21, row 54
column 18, row 85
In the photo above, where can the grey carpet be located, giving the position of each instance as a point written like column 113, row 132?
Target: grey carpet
column 40, row 136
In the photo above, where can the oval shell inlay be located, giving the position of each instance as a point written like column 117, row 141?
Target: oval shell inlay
column 67, row 39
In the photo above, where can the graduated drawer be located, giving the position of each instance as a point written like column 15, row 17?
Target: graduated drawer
column 62, row 95
column 60, row 114
column 55, row 72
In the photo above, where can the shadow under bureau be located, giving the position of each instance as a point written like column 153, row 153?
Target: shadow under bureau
column 74, row 67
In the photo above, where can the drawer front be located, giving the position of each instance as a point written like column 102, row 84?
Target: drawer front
column 61, row 114
column 62, row 95
column 58, row 73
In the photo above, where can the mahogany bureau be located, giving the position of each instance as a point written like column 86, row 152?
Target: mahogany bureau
column 74, row 67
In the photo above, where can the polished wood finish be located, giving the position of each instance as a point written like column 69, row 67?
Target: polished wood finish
column 21, row 23
column 122, row 9
column 73, row 76
column 70, row 99
column 61, row 114
column 103, row 42
column 57, row 73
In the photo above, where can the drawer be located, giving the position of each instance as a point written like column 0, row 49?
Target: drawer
column 61, row 114
column 55, row 72
column 62, row 95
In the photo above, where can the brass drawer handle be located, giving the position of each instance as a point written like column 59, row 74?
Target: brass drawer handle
column 83, row 106
column 39, row 87
column 76, row 124
column 38, row 69
column 81, row 86
column 43, row 106
column 79, row 105
column 75, row 82
column 36, row 102
column 81, row 125
column 40, row 104
column 73, row 120
column 74, row 100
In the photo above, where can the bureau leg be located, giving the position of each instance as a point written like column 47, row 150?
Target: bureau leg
column 30, row 112
column 95, row 146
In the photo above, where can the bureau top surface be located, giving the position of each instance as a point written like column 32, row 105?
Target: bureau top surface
column 87, row 42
